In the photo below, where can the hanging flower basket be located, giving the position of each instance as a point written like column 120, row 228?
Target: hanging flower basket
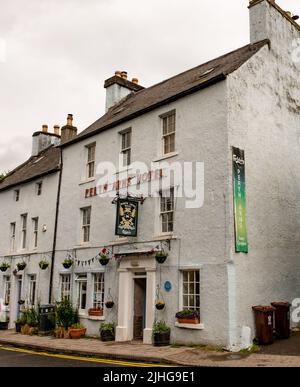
column 104, row 259
column 161, row 256
column 21, row 266
column 21, row 302
column 4, row 266
column 109, row 304
column 43, row 265
column 160, row 305
column 67, row 263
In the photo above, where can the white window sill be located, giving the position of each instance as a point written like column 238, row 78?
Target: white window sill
column 87, row 181
column 92, row 318
column 190, row 326
column 164, row 157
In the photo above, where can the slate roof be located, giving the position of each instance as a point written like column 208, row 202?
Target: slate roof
column 136, row 104
column 48, row 161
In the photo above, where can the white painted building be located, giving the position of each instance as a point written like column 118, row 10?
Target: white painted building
column 248, row 99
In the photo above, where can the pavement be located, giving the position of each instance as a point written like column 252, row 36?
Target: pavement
column 285, row 353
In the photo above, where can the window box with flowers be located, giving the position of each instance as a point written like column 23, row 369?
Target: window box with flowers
column 188, row 316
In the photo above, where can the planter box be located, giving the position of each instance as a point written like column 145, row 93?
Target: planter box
column 96, row 312
column 194, row 320
column 18, row 327
column 3, row 326
column 161, row 339
column 76, row 333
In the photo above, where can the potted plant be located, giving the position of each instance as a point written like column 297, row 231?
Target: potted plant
column 67, row 263
column 21, row 265
column 104, row 258
column 161, row 256
column 188, row 316
column 96, row 312
column 77, row 331
column 28, row 323
column 65, row 317
column 107, row 331
column 43, row 264
column 160, row 304
column 4, row 266
column 109, row 304
column 161, row 334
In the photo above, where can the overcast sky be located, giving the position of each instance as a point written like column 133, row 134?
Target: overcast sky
column 59, row 52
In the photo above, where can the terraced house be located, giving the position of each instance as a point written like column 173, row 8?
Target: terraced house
column 238, row 116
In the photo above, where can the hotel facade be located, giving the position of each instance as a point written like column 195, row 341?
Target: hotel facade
column 235, row 122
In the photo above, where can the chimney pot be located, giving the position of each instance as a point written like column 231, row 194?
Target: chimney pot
column 70, row 119
column 135, row 80
column 45, row 129
column 56, row 129
column 118, row 74
column 124, row 74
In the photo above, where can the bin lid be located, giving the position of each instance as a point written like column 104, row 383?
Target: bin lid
column 281, row 303
column 261, row 308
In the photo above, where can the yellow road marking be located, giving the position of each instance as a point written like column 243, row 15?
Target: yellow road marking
column 86, row 359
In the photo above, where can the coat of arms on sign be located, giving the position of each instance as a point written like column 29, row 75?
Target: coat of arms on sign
column 127, row 217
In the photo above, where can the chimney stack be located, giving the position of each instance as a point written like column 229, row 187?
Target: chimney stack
column 42, row 139
column 68, row 131
column 118, row 87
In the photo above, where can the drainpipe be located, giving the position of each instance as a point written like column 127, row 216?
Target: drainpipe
column 55, row 226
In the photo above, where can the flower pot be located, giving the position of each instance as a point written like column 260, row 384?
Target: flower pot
column 160, row 306
column 95, row 312
column 107, row 336
column 161, row 339
column 161, row 258
column 194, row 320
column 3, row 268
column 67, row 265
column 109, row 304
column 21, row 266
column 18, row 327
column 76, row 333
column 103, row 261
column 3, row 326
column 43, row 265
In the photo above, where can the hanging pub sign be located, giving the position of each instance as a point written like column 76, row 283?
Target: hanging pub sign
column 127, row 217
column 239, row 197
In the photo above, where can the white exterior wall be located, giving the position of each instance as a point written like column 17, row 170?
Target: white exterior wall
column 264, row 120
column 199, row 235
column 43, row 207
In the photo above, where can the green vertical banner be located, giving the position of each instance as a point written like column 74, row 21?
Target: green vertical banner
column 239, row 197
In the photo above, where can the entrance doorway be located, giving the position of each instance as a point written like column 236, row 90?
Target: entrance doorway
column 139, row 307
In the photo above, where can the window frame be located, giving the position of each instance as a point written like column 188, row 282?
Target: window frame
column 100, row 290
column 24, row 221
column 13, row 229
column 65, row 287
column 17, row 195
column 35, row 231
column 32, row 287
column 126, row 147
column 7, row 289
column 197, row 296
column 166, row 134
column 90, row 160
column 166, row 213
column 86, row 227
column 39, row 188
column 82, row 280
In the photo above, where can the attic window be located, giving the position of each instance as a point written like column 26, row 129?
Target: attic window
column 207, row 72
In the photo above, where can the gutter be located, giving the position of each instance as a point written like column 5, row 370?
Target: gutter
column 204, row 84
column 55, row 226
